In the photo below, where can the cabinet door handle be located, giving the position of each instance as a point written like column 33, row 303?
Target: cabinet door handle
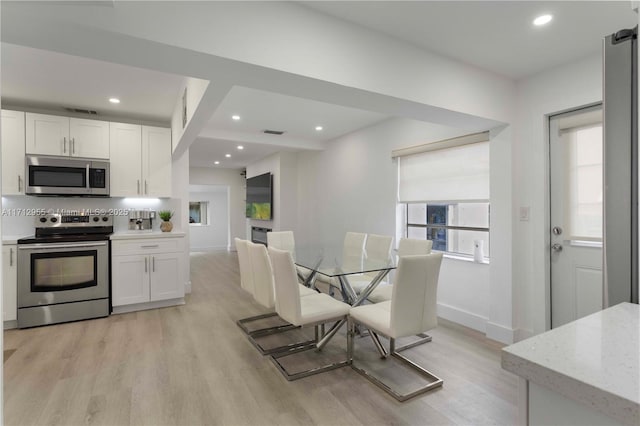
column 153, row 263
column 11, row 257
column 73, row 145
column 146, row 268
column 19, row 183
column 64, row 145
column 146, row 187
column 138, row 186
column 150, row 246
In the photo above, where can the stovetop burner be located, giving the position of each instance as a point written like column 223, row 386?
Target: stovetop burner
column 58, row 228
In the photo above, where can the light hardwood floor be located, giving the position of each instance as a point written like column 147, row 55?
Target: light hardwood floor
column 191, row 365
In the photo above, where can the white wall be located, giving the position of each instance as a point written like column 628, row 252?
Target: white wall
column 214, row 235
column 237, row 192
column 195, row 88
column 352, row 186
column 557, row 90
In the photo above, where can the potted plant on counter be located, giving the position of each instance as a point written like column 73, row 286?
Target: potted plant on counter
column 166, row 225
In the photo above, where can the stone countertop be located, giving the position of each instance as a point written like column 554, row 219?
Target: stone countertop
column 594, row 360
column 134, row 235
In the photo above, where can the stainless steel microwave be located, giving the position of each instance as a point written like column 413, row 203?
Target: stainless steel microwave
column 66, row 176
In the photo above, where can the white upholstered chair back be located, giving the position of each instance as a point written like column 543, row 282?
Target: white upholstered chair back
column 282, row 240
column 411, row 246
column 286, row 285
column 378, row 247
column 246, row 273
column 354, row 244
column 263, row 286
column 413, row 303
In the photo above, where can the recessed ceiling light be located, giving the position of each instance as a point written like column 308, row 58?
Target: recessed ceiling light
column 216, row 162
column 235, row 117
column 542, row 20
column 240, row 147
column 318, row 128
column 114, row 100
column 228, row 155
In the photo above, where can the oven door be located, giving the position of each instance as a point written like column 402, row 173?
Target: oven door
column 62, row 272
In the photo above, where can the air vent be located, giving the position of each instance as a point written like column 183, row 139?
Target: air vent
column 274, row 132
column 82, row 111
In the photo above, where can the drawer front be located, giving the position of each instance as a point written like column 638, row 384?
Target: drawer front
column 147, row 246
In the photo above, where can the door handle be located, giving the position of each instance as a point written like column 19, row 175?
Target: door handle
column 64, row 145
column 19, row 183
column 556, row 247
column 153, row 263
column 11, row 257
column 138, row 186
column 146, row 187
column 73, row 145
column 146, row 268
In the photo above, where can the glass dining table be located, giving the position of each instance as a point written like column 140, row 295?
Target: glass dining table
column 333, row 265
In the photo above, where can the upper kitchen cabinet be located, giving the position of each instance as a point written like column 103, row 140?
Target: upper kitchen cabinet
column 12, row 152
column 140, row 161
column 75, row 137
column 156, row 161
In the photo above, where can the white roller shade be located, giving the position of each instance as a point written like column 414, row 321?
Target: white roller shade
column 459, row 173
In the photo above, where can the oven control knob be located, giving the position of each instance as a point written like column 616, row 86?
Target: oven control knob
column 96, row 218
column 54, row 219
column 105, row 218
column 43, row 219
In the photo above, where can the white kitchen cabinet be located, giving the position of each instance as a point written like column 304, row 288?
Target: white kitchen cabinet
column 140, row 161
column 156, row 161
column 126, row 160
column 12, row 152
column 9, row 282
column 75, row 137
column 147, row 270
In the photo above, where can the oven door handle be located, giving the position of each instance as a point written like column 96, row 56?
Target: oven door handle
column 59, row 246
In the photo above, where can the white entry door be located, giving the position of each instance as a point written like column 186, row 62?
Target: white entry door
column 576, row 194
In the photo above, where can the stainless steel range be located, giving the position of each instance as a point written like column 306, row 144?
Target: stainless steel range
column 63, row 271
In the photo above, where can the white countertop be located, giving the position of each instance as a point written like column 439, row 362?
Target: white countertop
column 594, row 360
column 12, row 239
column 134, row 235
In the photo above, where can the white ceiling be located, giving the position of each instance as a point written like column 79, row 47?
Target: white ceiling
column 497, row 36
column 51, row 80
column 494, row 35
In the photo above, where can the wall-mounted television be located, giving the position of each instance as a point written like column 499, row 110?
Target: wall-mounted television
column 260, row 197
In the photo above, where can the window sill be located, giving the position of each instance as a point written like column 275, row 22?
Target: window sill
column 197, row 224
column 463, row 258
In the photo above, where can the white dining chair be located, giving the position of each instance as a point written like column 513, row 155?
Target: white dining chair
column 411, row 310
column 377, row 249
column 284, row 240
column 247, row 282
column 406, row 247
column 264, row 294
column 316, row 310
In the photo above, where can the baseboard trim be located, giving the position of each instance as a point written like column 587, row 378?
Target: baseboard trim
column 149, row 305
column 462, row 317
column 187, row 288
column 208, row 248
column 500, row 333
column 8, row 325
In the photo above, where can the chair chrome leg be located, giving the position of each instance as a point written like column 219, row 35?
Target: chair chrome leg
column 242, row 323
column 424, row 338
column 379, row 347
column 434, row 381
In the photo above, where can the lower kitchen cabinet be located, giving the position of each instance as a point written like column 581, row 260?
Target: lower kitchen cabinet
column 9, row 283
column 146, row 270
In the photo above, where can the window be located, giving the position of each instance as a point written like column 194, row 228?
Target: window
column 198, row 213
column 443, row 194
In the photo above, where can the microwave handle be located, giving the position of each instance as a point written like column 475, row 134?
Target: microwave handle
column 88, row 173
